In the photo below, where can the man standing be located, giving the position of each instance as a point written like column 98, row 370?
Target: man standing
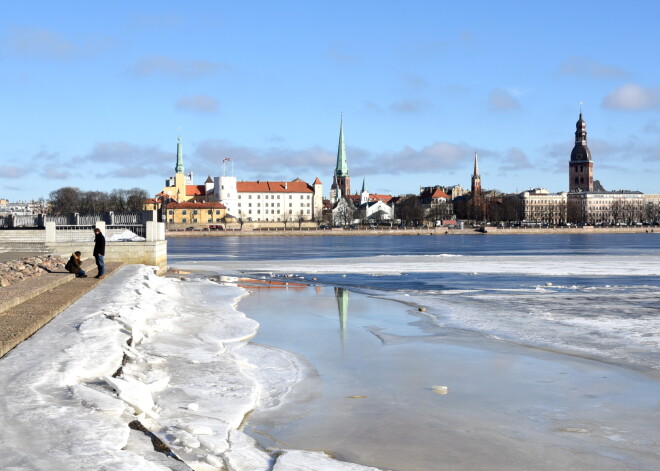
column 99, row 252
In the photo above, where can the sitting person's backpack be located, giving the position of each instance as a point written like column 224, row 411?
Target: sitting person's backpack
column 70, row 267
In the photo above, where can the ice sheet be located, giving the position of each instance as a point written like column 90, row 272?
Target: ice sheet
column 171, row 353
column 386, row 264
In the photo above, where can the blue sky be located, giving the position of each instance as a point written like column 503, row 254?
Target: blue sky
column 94, row 94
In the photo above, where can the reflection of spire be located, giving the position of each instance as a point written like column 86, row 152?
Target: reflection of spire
column 342, row 303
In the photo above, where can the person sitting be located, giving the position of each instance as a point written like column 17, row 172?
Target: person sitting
column 74, row 265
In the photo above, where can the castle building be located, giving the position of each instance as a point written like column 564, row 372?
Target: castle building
column 580, row 167
column 341, row 182
column 273, row 201
column 180, row 187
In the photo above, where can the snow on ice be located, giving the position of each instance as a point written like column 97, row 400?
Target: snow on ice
column 171, row 354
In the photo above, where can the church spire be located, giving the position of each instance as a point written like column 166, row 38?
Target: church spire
column 179, row 157
column 476, row 165
column 364, row 185
column 342, row 167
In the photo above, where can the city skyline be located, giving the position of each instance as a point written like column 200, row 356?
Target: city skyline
column 95, row 98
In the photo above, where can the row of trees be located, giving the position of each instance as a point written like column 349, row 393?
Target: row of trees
column 73, row 200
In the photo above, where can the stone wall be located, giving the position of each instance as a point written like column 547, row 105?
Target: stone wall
column 153, row 253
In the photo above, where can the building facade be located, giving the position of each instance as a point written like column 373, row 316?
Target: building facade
column 200, row 214
column 541, row 206
column 277, row 201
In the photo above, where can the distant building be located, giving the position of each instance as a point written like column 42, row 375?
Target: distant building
column 276, row 201
column 180, row 187
column 202, row 214
column 341, row 182
column 539, row 205
column 580, row 167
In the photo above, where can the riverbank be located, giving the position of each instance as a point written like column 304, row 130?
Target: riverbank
column 441, row 231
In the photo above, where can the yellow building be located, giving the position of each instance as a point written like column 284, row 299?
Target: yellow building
column 199, row 215
column 180, row 187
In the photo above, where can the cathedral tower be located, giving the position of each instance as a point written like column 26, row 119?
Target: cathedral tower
column 476, row 179
column 580, row 167
column 341, row 182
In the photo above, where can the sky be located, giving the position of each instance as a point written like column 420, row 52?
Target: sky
column 95, row 94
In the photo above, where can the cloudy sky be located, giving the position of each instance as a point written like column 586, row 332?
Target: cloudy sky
column 95, row 94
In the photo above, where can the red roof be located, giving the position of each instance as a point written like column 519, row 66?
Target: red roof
column 296, row 186
column 213, row 205
column 438, row 193
column 317, row 181
column 384, row 198
column 195, row 190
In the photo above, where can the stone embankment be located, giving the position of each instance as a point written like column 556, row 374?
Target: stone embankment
column 30, row 302
column 14, row 271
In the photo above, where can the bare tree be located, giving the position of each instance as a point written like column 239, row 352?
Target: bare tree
column 64, row 201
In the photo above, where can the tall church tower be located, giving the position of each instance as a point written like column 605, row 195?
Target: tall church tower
column 580, row 167
column 476, row 179
column 341, row 182
column 179, row 176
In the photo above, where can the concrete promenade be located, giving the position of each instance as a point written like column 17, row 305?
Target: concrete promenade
column 27, row 306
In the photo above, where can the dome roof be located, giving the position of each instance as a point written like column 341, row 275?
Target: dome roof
column 580, row 153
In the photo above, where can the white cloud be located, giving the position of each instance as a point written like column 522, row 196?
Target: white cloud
column 580, row 66
column 42, row 43
column 502, row 100
column 167, row 66
column 11, row 171
column 198, row 103
column 632, row 97
column 54, row 174
column 409, row 106
column 515, row 159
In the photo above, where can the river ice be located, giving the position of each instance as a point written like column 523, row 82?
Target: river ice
column 189, row 376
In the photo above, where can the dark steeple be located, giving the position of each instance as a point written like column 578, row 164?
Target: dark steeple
column 580, row 167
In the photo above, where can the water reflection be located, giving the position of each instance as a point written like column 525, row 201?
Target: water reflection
column 342, row 304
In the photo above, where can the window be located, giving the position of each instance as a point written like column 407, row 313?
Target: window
column 171, row 221
column 290, row 205
column 195, row 220
column 210, row 211
column 209, row 220
column 194, row 211
column 183, row 212
column 258, row 197
column 278, row 196
column 239, row 197
column 184, row 220
column 217, row 211
column 218, row 219
column 290, row 197
column 171, row 211
column 249, row 197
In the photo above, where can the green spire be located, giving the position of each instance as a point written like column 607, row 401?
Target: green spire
column 342, row 166
column 364, row 185
column 179, row 157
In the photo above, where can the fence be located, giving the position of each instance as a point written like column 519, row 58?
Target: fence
column 117, row 220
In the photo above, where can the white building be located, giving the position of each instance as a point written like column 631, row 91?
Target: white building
column 270, row 201
column 539, row 205
column 606, row 207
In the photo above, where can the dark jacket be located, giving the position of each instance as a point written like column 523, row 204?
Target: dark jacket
column 99, row 244
column 73, row 265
